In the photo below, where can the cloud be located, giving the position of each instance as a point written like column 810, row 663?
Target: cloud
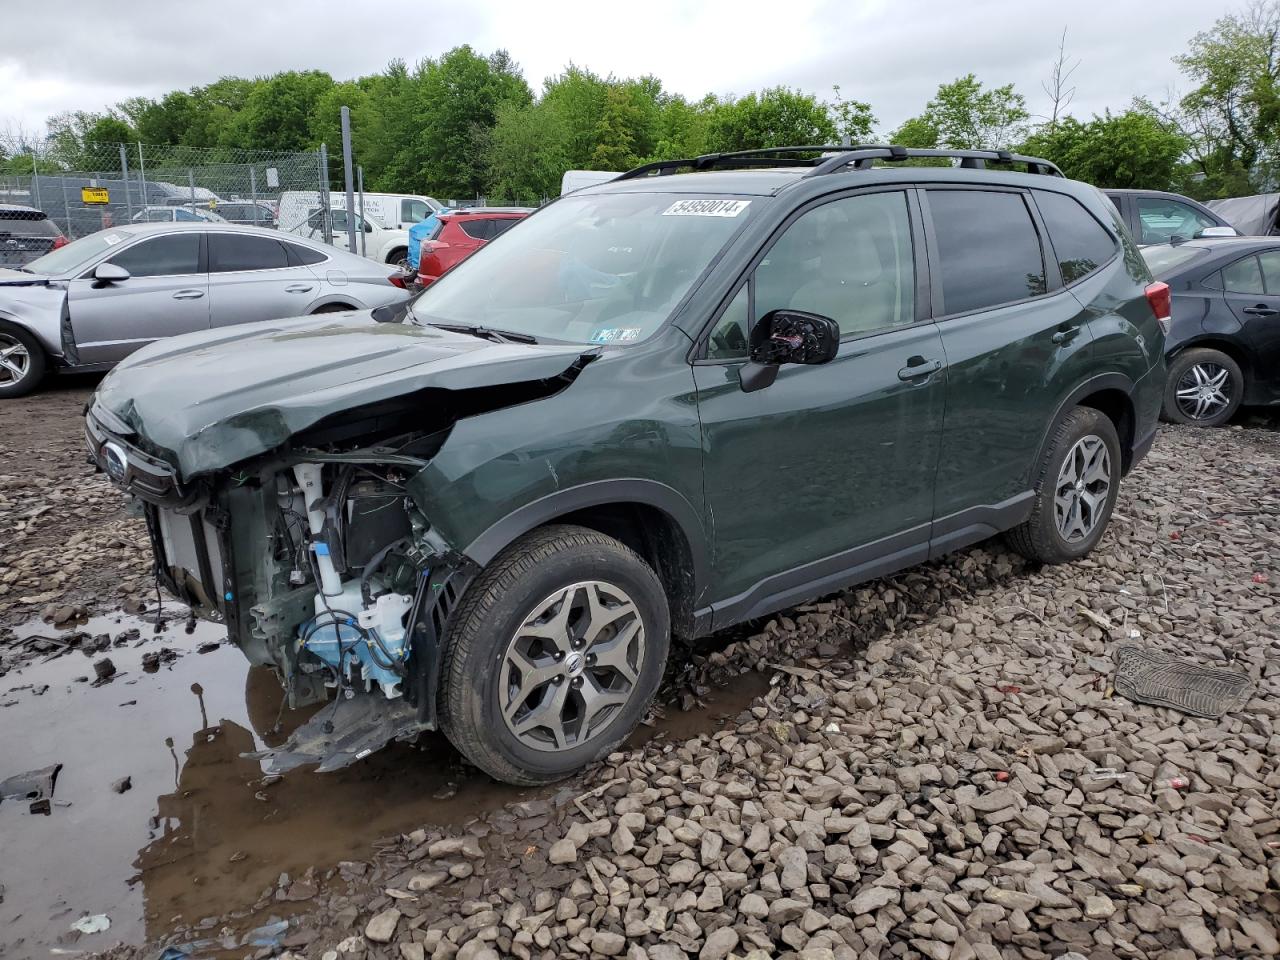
column 893, row 55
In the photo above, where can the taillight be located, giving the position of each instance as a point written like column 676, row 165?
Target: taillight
column 1161, row 300
column 398, row 280
column 59, row 241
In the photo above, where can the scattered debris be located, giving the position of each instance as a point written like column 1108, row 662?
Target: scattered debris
column 35, row 785
column 96, row 923
column 1151, row 676
column 104, row 669
column 122, row 785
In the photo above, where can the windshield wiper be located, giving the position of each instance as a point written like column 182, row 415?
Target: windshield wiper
column 486, row 333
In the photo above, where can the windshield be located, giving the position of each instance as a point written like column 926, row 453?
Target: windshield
column 605, row 268
column 1166, row 260
column 77, row 253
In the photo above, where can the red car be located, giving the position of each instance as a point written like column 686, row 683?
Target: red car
column 461, row 233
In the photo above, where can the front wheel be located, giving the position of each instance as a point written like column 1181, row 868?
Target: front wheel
column 22, row 361
column 1075, row 492
column 399, row 257
column 553, row 655
column 1204, row 387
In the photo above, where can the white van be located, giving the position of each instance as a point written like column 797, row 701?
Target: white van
column 577, row 179
column 384, row 239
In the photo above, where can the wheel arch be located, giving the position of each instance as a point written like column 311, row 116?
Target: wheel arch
column 650, row 517
column 1110, row 394
column 1233, row 349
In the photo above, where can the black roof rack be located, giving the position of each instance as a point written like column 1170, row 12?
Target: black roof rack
column 837, row 159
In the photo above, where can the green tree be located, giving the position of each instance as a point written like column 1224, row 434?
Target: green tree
column 776, row 117
column 1134, row 149
column 1232, row 116
column 964, row 116
column 853, row 119
column 277, row 113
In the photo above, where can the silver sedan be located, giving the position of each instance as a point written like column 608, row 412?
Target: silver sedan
column 90, row 304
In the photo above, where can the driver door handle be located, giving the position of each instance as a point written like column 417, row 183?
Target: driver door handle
column 298, row 288
column 918, row 368
column 188, row 295
column 1261, row 310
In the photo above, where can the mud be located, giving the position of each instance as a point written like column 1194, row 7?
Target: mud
column 200, row 832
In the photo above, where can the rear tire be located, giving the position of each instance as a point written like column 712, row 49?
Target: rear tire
column 23, row 362
column 553, row 655
column 1204, row 387
column 399, row 257
column 1075, row 491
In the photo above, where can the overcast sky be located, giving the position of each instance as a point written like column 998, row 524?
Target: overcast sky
column 82, row 54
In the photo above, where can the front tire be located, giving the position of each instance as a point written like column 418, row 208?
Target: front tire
column 1204, row 387
column 553, row 655
column 22, row 361
column 1075, row 492
column 399, row 257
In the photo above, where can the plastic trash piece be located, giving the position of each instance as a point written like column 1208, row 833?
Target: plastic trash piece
column 1175, row 783
column 1002, row 776
column 1259, row 578
column 1109, row 773
column 1009, row 688
column 267, row 935
column 95, row 923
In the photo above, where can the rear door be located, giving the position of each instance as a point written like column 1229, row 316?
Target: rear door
column 250, row 280
column 830, row 467
column 1016, row 343
column 1251, row 287
column 166, row 294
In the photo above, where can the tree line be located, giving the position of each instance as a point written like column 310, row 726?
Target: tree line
column 468, row 124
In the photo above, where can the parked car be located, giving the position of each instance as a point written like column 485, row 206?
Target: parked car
column 1224, row 348
column 661, row 406
column 372, row 239
column 459, row 234
column 176, row 214
column 26, row 233
column 394, row 211
column 1154, row 216
column 89, row 304
column 247, row 212
column 1254, row 216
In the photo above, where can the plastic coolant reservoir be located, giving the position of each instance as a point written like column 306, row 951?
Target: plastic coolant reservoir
column 333, row 634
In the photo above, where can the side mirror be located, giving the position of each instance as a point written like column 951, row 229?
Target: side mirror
column 110, row 273
column 1218, row 232
column 368, row 228
column 788, row 336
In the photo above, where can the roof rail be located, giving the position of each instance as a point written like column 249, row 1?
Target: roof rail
column 859, row 156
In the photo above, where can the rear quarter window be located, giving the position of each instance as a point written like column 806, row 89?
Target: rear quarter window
column 1080, row 243
column 477, row 229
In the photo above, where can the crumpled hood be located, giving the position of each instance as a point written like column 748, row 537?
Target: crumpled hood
column 211, row 399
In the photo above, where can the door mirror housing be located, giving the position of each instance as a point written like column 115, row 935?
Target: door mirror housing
column 106, row 273
column 368, row 227
column 794, row 336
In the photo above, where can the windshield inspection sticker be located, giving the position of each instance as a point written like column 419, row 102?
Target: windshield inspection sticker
column 616, row 335
column 706, row 208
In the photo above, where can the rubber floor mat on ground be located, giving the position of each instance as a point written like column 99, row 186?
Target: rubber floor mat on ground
column 1160, row 679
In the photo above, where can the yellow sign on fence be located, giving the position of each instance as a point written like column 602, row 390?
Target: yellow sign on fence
column 94, row 195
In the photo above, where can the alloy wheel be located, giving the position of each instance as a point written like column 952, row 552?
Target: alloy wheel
column 15, row 361
column 1084, row 483
column 1203, row 391
column 571, row 666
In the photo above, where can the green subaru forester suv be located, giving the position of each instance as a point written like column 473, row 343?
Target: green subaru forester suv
column 696, row 394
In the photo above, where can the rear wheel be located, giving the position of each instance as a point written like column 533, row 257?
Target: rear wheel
column 1204, row 387
column 22, row 361
column 1076, row 490
column 399, row 257
column 553, row 655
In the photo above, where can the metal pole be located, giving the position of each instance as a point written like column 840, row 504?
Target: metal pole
column 326, row 217
column 35, row 180
column 191, row 180
column 345, row 115
column 142, row 178
column 124, row 176
column 66, row 209
column 253, row 193
column 360, row 180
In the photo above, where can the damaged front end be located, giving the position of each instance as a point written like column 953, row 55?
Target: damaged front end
column 316, row 556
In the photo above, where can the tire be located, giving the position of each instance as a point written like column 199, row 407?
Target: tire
column 524, row 589
column 1048, row 537
column 1217, row 382
column 23, row 362
column 399, row 257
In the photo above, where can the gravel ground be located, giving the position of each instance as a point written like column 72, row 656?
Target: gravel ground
column 921, row 780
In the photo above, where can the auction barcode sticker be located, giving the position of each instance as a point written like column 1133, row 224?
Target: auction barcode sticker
column 706, row 208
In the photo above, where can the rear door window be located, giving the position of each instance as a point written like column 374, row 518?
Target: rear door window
column 170, row 255
column 1080, row 242
column 1243, row 276
column 988, row 248
column 230, row 252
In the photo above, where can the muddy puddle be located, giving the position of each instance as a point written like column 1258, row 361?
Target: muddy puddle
column 198, row 834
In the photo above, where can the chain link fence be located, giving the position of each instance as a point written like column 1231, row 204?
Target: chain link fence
column 51, row 193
